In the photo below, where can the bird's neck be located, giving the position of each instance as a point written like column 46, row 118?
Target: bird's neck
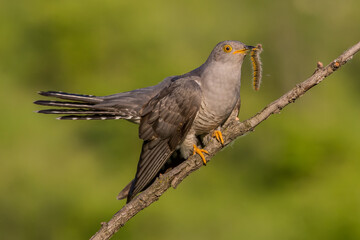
column 219, row 76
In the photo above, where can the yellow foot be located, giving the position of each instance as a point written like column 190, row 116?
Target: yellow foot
column 200, row 152
column 218, row 136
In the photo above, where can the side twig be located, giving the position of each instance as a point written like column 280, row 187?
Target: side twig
column 233, row 130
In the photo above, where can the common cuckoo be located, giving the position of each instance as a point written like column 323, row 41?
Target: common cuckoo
column 172, row 115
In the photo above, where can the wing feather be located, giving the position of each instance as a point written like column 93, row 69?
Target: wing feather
column 165, row 121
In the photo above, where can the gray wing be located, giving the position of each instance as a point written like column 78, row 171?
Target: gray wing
column 165, row 121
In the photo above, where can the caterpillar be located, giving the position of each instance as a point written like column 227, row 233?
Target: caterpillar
column 257, row 66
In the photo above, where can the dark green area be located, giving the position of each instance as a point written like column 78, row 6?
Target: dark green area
column 296, row 177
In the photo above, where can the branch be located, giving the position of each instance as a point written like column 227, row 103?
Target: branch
column 233, row 130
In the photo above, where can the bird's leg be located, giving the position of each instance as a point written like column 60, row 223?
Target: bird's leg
column 200, row 152
column 218, row 135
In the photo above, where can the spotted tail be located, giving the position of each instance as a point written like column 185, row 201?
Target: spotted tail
column 87, row 107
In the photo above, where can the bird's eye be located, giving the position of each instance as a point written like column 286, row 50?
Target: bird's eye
column 227, row 48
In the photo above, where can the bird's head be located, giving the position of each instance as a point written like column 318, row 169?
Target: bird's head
column 229, row 52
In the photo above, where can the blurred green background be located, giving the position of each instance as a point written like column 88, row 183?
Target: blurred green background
column 295, row 177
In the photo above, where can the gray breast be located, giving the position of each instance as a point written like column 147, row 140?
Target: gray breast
column 215, row 108
column 220, row 87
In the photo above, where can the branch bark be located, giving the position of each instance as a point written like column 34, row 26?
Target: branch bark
column 233, row 130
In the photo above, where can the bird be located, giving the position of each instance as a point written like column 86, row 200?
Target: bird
column 172, row 115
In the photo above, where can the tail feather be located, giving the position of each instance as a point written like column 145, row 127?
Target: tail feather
column 72, row 111
column 64, row 104
column 98, row 117
column 72, row 96
column 89, row 107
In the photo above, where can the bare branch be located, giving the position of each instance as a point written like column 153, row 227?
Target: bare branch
column 233, row 130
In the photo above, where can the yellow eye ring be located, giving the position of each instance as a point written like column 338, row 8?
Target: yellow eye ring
column 227, row 48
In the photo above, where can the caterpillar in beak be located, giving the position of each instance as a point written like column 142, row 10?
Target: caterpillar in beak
column 257, row 66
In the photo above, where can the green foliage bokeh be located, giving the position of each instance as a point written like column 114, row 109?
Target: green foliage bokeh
column 295, row 177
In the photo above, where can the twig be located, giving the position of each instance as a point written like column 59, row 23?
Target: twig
column 233, row 130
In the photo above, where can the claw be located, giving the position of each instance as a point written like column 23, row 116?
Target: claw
column 200, row 152
column 218, row 135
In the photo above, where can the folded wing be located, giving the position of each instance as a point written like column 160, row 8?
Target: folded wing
column 165, row 121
